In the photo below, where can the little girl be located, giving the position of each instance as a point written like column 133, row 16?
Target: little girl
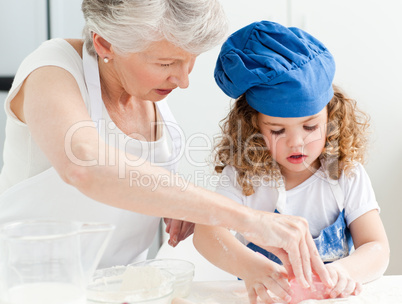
column 293, row 144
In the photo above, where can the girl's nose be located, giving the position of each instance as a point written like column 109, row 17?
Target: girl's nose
column 294, row 139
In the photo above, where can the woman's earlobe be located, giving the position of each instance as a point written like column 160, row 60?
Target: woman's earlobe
column 102, row 46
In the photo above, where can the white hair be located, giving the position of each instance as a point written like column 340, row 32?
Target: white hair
column 131, row 25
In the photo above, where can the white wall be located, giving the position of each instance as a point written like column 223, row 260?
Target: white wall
column 366, row 40
column 199, row 108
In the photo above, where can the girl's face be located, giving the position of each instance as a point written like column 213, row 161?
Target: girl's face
column 295, row 143
column 155, row 72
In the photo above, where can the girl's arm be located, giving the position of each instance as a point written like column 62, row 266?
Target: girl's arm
column 369, row 260
column 221, row 248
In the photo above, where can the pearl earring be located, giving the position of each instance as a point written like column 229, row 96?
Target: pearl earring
column 105, row 60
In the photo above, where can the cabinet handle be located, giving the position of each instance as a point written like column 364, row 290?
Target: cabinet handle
column 6, row 82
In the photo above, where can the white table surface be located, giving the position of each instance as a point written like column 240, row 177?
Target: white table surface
column 386, row 290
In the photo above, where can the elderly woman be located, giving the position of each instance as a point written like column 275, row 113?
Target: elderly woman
column 89, row 133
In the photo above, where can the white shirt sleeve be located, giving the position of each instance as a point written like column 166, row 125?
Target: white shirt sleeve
column 228, row 185
column 359, row 194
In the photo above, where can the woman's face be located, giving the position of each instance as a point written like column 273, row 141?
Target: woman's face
column 154, row 73
column 295, row 143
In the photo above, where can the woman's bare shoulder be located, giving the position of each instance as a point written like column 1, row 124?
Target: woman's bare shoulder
column 76, row 44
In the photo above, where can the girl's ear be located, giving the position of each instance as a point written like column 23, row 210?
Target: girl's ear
column 102, row 46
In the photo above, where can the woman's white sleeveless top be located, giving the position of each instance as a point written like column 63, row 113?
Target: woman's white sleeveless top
column 31, row 188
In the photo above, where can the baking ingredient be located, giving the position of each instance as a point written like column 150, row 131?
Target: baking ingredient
column 146, row 277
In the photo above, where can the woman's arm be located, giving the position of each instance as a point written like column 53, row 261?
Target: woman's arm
column 369, row 260
column 51, row 105
column 260, row 274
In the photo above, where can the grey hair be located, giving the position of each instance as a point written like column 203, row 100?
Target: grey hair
column 131, row 25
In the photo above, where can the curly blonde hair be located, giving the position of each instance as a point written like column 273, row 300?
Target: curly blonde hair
column 243, row 146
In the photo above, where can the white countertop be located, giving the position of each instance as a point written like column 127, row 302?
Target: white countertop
column 386, row 290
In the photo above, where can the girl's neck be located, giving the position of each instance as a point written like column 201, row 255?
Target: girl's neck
column 293, row 179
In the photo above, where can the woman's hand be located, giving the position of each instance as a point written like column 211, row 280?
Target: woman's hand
column 178, row 230
column 289, row 238
column 265, row 276
column 345, row 285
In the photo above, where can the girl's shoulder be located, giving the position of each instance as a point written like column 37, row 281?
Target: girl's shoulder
column 354, row 171
column 352, row 180
column 228, row 185
column 348, row 172
column 263, row 198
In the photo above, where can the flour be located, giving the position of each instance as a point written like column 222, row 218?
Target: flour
column 137, row 278
column 225, row 248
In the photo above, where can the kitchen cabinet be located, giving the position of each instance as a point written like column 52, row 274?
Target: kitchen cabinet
column 24, row 25
column 66, row 19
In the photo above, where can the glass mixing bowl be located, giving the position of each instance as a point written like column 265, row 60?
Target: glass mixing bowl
column 131, row 285
column 181, row 269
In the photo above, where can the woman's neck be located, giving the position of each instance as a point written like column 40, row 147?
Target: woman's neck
column 112, row 90
column 136, row 118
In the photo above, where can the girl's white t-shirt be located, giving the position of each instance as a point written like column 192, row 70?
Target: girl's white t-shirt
column 313, row 199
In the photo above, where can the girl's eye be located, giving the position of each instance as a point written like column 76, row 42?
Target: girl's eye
column 277, row 132
column 310, row 128
column 166, row 64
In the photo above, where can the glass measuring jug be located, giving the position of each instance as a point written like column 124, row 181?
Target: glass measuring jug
column 45, row 261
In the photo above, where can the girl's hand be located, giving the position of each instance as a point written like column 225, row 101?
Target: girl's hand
column 344, row 284
column 265, row 276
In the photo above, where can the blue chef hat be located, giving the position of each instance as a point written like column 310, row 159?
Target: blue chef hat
column 284, row 72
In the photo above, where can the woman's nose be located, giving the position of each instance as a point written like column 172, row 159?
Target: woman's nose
column 180, row 76
column 181, row 81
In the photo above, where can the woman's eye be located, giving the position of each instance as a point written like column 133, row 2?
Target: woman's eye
column 277, row 132
column 310, row 128
column 166, row 64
